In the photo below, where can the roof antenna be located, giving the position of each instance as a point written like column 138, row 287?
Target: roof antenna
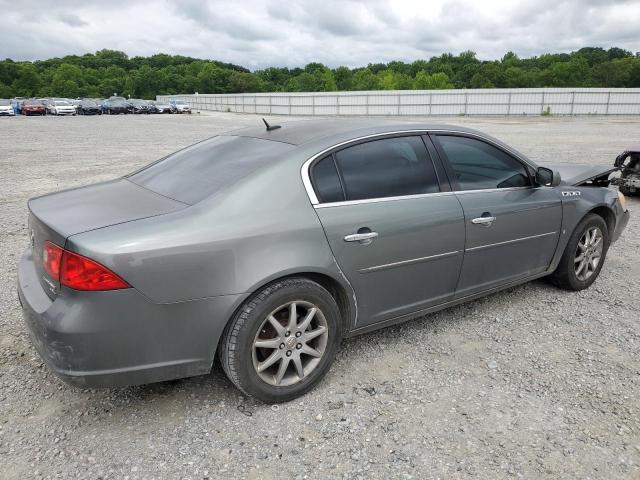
column 271, row 127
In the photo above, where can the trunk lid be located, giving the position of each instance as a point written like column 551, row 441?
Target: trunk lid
column 57, row 216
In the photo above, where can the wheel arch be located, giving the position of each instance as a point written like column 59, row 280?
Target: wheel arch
column 607, row 214
column 339, row 290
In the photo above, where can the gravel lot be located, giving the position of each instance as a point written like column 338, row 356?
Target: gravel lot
column 532, row 382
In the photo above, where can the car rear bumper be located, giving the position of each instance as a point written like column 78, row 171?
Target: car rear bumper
column 119, row 338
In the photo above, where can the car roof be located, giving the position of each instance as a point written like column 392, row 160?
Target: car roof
column 321, row 134
column 305, row 131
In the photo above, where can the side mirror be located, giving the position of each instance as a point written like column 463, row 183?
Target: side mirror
column 547, row 177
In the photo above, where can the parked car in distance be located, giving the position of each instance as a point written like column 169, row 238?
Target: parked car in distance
column 16, row 103
column 151, row 106
column 116, row 106
column 88, row 106
column 33, row 107
column 6, row 109
column 180, row 107
column 61, row 107
column 148, row 277
column 138, row 106
column 163, row 107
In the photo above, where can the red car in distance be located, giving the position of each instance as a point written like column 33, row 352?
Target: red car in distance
column 33, row 107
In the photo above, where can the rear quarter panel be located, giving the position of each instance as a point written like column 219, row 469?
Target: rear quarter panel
column 262, row 228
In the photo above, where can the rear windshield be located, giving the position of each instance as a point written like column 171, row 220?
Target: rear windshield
column 196, row 172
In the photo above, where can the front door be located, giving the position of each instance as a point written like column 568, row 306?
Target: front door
column 512, row 226
column 397, row 238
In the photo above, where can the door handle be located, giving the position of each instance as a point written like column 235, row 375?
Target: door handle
column 484, row 221
column 364, row 238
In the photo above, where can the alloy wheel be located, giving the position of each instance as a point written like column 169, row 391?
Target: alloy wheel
column 588, row 253
column 290, row 343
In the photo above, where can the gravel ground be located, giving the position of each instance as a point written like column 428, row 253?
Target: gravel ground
column 532, row 382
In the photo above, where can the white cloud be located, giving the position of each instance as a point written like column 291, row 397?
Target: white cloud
column 259, row 33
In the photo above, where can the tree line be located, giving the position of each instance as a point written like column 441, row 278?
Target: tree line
column 109, row 72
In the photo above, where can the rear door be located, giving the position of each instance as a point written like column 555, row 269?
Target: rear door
column 512, row 225
column 396, row 236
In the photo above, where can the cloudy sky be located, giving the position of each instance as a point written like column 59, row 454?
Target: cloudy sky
column 257, row 33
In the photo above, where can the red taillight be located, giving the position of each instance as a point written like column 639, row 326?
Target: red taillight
column 78, row 272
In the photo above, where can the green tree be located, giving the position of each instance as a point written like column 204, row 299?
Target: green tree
column 344, row 78
column 365, row 79
column 27, row 82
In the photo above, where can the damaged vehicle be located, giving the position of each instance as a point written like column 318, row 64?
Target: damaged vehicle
column 629, row 164
column 268, row 245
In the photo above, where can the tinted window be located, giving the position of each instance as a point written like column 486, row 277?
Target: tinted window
column 387, row 168
column 477, row 165
column 326, row 181
column 200, row 170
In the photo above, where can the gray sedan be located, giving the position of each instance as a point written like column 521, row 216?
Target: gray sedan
column 269, row 245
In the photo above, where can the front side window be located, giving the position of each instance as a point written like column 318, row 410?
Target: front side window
column 390, row 167
column 477, row 165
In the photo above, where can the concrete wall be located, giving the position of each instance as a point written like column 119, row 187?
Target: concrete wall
column 516, row 101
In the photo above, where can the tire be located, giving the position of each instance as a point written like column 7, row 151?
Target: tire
column 253, row 323
column 570, row 276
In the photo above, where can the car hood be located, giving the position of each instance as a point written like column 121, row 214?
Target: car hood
column 95, row 206
column 575, row 174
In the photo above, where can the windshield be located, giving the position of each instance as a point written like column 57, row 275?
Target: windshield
column 4, row 102
column 196, row 172
column 89, row 103
column 32, row 102
column 62, row 104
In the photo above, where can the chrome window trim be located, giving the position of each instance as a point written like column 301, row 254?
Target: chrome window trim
column 381, row 199
column 411, row 261
column 417, row 196
column 306, row 178
column 521, row 239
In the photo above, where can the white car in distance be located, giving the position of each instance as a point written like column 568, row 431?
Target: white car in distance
column 62, row 107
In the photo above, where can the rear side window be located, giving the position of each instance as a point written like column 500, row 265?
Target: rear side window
column 389, row 167
column 196, row 172
column 327, row 181
column 477, row 165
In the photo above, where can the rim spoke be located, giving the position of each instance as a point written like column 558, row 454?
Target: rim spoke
column 297, row 361
column 314, row 333
column 270, row 343
column 310, row 351
column 307, row 320
column 594, row 264
column 282, row 370
column 579, row 258
column 271, row 359
column 277, row 325
column 580, row 267
column 582, row 246
column 293, row 316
